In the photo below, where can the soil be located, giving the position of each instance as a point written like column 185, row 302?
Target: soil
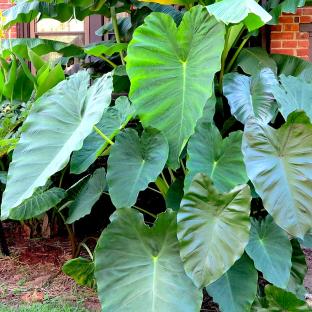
column 33, row 273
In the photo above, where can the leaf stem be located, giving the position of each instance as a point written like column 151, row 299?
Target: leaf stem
column 99, row 132
column 152, row 189
column 183, row 167
column 229, row 67
column 108, row 61
column 164, row 179
column 71, row 235
column 223, row 59
column 145, row 211
column 116, row 31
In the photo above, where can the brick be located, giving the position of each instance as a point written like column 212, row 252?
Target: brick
column 305, row 19
column 276, row 44
column 307, row 11
column 282, row 35
column 303, row 52
column 284, row 51
column 289, row 44
column 291, row 27
column 303, row 44
column 286, row 19
column 302, row 35
column 276, row 28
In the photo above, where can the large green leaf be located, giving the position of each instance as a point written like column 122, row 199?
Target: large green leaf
column 220, row 159
column 271, row 250
column 105, row 47
column 133, row 163
column 235, row 291
column 293, row 94
column 88, row 195
column 81, row 270
column 57, row 125
column 298, row 270
column 252, row 60
column 236, row 11
column 293, row 66
column 138, row 268
column 112, row 121
column 40, row 46
column 280, row 300
column 279, row 165
column 213, row 229
column 251, row 96
column 171, row 77
column 41, row 201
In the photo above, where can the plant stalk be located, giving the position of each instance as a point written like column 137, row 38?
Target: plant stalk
column 108, row 61
column 229, row 67
column 145, row 211
column 116, row 31
column 106, row 138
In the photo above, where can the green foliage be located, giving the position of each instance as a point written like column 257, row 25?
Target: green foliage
column 187, row 116
column 153, row 266
column 293, row 94
column 173, row 106
column 251, row 96
column 236, row 11
column 278, row 165
column 111, row 123
column 213, row 229
column 87, row 196
column 52, row 132
column 236, row 290
column 220, row 159
column 271, row 250
column 143, row 158
column 81, row 270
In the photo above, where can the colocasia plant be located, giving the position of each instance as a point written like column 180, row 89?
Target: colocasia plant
column 187, row 110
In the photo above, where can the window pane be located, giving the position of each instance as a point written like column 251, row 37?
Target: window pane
column 51, row 25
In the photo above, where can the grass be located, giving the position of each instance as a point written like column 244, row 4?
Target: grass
column 44, row 307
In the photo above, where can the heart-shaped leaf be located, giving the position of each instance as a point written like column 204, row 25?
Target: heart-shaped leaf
column 251, row 96
column 88, row 195
column 279, row 165
column 213, row 229
column 252, row 60
column 113, row 120
column 236, row 11
column 56, row 126
column 171, row 78
column 293, row 94
column 271, row 250
column 41, row 201
column 293, row 66
column 235, row 291
column 220, row 159
column 81, row 270
column 131, row 253
column 281, row 300
column 133, row 163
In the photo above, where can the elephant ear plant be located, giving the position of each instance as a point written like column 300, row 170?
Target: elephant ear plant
column 219, row 133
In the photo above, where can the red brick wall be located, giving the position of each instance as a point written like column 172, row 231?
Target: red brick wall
column 5, row 4
column 286, row 38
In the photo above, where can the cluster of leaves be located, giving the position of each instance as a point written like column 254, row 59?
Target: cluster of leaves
column 221, row 132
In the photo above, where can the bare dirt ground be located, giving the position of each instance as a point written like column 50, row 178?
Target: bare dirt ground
column 33, row 274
